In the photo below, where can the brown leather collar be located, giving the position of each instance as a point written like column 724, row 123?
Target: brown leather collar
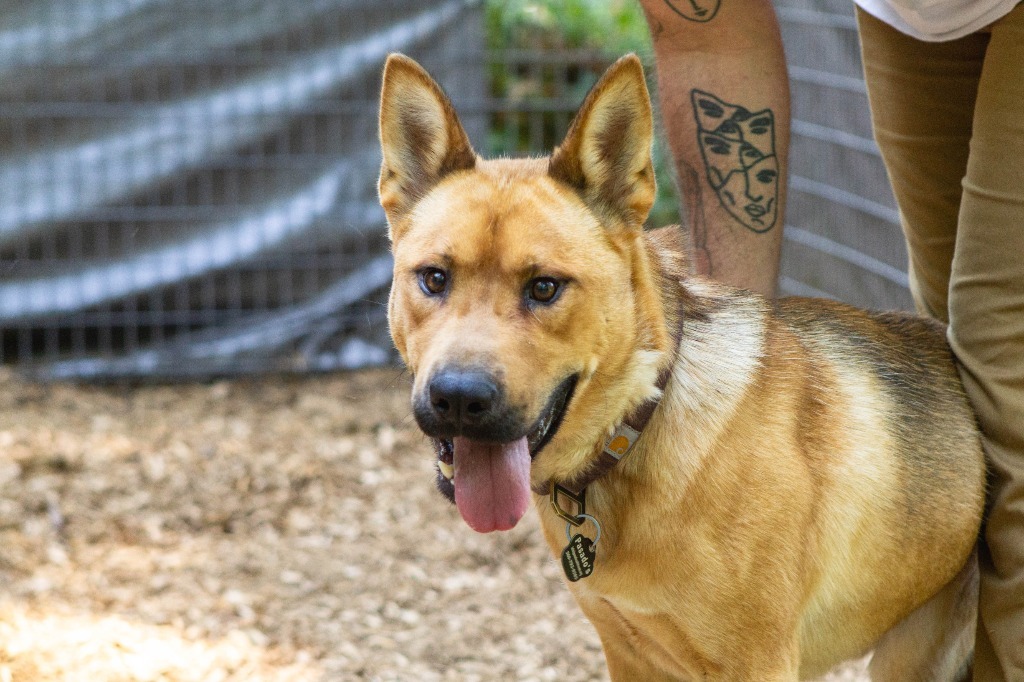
column 621, row 441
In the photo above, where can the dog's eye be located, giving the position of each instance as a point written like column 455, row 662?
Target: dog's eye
column 433, row 281
column 543, row 290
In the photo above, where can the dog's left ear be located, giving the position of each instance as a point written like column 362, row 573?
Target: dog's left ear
column 606, row 155
column 421, row 137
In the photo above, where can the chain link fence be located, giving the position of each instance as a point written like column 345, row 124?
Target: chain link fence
column 187, row 187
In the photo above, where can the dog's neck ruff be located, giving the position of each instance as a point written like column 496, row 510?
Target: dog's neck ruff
column 623, row 438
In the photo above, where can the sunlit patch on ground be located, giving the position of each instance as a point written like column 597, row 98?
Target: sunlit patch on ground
column 41, row 644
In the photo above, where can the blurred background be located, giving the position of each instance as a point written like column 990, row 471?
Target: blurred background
column 187, row 187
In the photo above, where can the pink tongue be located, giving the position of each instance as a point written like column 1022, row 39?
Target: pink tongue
column 492, row 483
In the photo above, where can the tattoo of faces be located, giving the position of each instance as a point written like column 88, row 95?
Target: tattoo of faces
column 738, row 148
column 692, row 10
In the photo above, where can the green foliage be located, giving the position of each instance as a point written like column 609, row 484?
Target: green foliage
column 611, row 27
column 546, row 55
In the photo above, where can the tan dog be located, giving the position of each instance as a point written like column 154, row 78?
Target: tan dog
column 809, row 485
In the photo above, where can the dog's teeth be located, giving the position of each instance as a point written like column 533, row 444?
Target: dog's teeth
column 447, row 470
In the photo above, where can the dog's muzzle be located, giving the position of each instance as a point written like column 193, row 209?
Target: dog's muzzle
column 484, row 446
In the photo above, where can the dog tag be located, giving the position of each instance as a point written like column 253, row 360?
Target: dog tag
column 578, row 558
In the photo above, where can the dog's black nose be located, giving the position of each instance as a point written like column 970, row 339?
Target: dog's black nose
column 461, row 398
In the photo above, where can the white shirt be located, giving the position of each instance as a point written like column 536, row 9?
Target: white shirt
column 937, row 20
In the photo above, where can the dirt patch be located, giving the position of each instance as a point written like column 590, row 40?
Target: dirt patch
column 259, row 530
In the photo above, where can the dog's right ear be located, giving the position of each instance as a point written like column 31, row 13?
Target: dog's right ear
column 420, row 136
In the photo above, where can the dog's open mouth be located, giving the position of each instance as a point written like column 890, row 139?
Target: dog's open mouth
column 490, row 482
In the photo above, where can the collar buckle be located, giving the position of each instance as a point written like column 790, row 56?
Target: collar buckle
column 578, row 499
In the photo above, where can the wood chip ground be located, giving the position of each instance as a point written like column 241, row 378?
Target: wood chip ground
column 258, row 531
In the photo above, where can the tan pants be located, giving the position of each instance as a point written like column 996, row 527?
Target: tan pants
column 949, row 119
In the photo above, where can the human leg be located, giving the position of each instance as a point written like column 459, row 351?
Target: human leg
column 987, row 335
column 943, row 112
column 922, row 97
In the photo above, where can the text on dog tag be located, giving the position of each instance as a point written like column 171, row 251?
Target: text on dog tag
column 578, row 558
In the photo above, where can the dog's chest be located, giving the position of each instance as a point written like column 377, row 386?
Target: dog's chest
column 660, row 638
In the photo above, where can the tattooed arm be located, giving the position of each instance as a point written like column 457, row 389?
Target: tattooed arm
column 725, row 103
